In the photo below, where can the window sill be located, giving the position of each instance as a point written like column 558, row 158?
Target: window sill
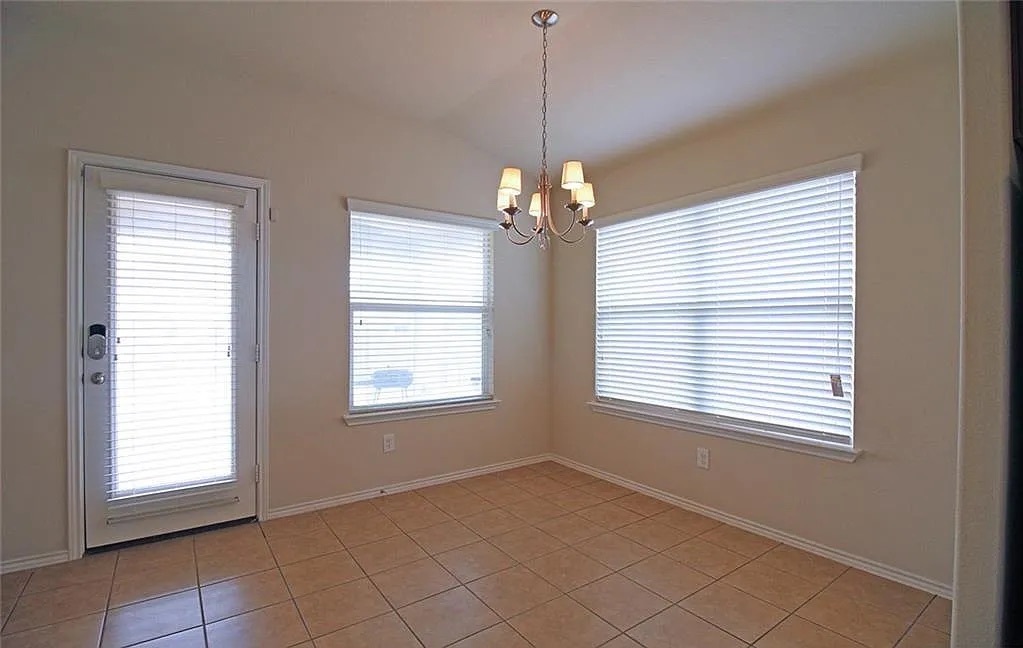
column 823, row 449
column 424, row 411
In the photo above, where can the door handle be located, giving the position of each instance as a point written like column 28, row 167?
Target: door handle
column 98, row 378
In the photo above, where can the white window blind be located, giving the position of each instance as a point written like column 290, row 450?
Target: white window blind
column 171, row 343
column 421, row 305
column 735, row 313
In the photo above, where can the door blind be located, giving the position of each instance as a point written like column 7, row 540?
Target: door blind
column 172, row 343
column 421, row 304
column 735, row 313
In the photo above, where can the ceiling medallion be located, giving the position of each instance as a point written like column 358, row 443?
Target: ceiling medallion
column 581, row 192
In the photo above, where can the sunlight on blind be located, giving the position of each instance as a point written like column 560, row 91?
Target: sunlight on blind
column 739, row 310
column 421, row 301
column 172, row 318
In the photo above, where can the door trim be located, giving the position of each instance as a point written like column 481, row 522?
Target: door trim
column 77, row 160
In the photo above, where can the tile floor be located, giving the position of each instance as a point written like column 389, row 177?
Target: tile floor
column 540, row 556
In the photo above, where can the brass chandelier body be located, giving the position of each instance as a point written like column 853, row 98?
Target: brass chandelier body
column 581, row 192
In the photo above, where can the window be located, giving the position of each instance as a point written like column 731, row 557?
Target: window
column 421, row 302
column 734, row 315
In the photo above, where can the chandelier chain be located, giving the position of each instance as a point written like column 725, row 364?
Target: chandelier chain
column 543, row 108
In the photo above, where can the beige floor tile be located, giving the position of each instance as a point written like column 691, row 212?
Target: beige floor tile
column 807, row 566
column 506, row 494
column 535, row 509
column 145, row 557
column 474, row 561
column 568, row 569
column 609, row 515
column 399, row 502
column 384, row 554
column 194, row 638
column 445, row 618
column 137, row 584
column 563, row 623
column 6, row 607
column 302, row 524
column 526, row 543
column 481, row 483
column 84, row 570
column 900, row 600
column 355, row 531
column 742, row 542
column 795, row 632
column 349, row 513
column 340, row 606
column 573, row 499
column 686, row 521
column 444, row 537
column 622, row 641
column 463, row 507
column 289, row 549
column 938, row 615
column 230, row 540
column 548, row 467
column 12, row 584
column 139, row 622
column 670, row 579
column 385, row 631
column 413, row 582
column 675, row 628
column 613, row 550
column 571, row 528
column 642, row 504
column 277, row 626
column 734, row 611
column 923, row 637
column 785, row 590
column 83, row 632
column 542, row 486
column 441, row 492
column 232, row 563
column 605, row 490
column 60, row 604
column 854, row 619
column 321, row 572
column 619, row 601
column 419, row 517
column 499, row 636
column 238, row 595
column 513, row 475
column 571, row 477
column 493, row 522
column 653, row 534
column 708, row 558
column 513, row 591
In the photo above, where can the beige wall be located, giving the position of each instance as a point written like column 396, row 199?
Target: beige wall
column 895, row 504
column 62, row 91
column 986, row 151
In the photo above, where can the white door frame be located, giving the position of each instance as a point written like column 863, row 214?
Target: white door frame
column 77, row 160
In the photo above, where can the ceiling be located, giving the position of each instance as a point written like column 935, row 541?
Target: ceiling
column 622, row 75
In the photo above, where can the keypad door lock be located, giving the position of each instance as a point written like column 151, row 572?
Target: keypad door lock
column 96, row 343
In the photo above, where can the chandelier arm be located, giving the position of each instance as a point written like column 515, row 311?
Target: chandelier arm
column 515, row 227
column 582, row 235
column 525, row 240
column 561, row 233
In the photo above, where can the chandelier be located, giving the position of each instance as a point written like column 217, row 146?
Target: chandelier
column 581, row 192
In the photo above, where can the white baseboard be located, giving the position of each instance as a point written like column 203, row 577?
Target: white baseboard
column 33, row 562
column 369, row 493
column 839, row 556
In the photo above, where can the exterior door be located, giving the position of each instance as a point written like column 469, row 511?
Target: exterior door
column 169, row 354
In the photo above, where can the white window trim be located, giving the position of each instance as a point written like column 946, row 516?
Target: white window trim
column 750, row 431
column 386, row 413
column 76, row 162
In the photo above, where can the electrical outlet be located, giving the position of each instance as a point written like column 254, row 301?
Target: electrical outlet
column 703, row 458
column 388, row 443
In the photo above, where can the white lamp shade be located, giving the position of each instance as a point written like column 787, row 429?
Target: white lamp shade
column 511, row 181
column 503, row 201
column 572, row 175
column 534, row 205
column 584, row 195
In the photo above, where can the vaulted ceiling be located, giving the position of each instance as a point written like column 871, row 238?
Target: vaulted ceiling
column 623, row 75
